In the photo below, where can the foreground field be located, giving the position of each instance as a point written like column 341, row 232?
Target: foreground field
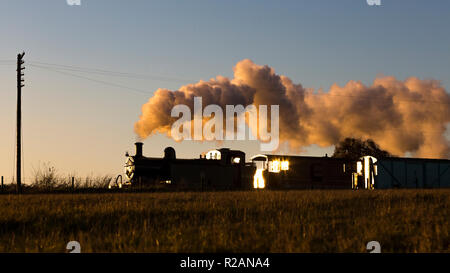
column 267, row 221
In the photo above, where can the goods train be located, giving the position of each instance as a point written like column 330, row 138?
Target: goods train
column 226, row 169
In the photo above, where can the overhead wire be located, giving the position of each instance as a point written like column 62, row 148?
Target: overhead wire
column 112, row 73
column 59, row 67
column 93, row 80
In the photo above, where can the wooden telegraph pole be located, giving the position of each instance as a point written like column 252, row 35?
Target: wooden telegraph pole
column 20, row 62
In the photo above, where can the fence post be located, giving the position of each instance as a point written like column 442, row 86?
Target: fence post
column 2, row 184
column 73, row 184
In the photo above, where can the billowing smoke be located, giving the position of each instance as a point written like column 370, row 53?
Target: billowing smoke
column 401, row 116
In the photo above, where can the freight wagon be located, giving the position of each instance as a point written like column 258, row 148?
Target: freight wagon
column 398, row 172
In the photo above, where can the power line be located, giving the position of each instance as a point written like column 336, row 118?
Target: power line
column 65, row 68
column 112, row 73
column 172, row 79
column 94, row 80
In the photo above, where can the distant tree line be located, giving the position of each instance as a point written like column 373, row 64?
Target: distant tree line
column 355, row 148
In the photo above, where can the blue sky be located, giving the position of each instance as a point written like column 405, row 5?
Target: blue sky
column 85, row 127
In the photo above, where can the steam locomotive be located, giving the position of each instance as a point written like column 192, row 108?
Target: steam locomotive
column 222, row 169
column 226, row 169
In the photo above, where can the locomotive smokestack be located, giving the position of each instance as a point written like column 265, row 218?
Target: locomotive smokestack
column 139, row 148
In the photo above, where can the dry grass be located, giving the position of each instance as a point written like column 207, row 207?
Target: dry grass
column 267, row 221
column 46, row 178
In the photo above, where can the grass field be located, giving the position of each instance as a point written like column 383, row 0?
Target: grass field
column 266, row 221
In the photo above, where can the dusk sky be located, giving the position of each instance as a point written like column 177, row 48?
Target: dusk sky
column 85, row 127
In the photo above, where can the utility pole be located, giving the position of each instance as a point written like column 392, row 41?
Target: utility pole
column 20, row 62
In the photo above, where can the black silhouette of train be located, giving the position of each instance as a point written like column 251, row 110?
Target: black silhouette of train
column 226, row 169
